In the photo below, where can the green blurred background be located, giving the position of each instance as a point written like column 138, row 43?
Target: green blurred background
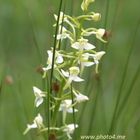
column 26, row 26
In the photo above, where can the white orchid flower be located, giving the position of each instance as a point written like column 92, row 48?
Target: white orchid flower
column 63, row 33
column 84, row 60
column 80, row 97
column 98, row 32
column 58, row 60
column 82, row 44
column 72, row 75
column 62, row 36
column 38, row 96
column 98, row 56
column 69, row 129
column 37, row 123
column 66, row 106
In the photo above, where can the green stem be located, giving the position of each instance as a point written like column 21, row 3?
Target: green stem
column 52, row 69
column 72, row 98
column 56, row 110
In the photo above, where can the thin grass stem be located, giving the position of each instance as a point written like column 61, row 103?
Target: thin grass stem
column 52, row 69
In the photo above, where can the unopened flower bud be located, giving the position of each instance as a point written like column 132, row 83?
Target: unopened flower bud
column 85, row 4
column 100, row 33
column 96, row 17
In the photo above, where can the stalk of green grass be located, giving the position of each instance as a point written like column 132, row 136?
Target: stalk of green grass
column 74, row 117
column 73, row 113
column 52, row 69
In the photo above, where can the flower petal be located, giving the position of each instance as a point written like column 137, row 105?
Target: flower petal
column 89, row 46
column 78, row 79
column 38, row 101
column 87, row 64
column 59, row 59
column 65, row 73
column 36, row 90
column 81, row 98
column 76, row 45
column 70, row 110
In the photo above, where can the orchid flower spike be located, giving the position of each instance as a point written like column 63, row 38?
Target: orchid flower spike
column 80, row 97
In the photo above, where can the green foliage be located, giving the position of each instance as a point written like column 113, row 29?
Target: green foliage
column 25, row 35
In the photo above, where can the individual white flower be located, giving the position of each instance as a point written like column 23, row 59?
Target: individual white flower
column 38, row 96
column 72, row 75
column 91, row 16
column 63, row 33
column 80, row 97
column 37, row 123
column 82, row 44
column 92, row 31
column 66, row 106
column 69, row 129
column 85, row 4
column 98, row 56
column 84, row 60
column 58, row 60
column 62, row 36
